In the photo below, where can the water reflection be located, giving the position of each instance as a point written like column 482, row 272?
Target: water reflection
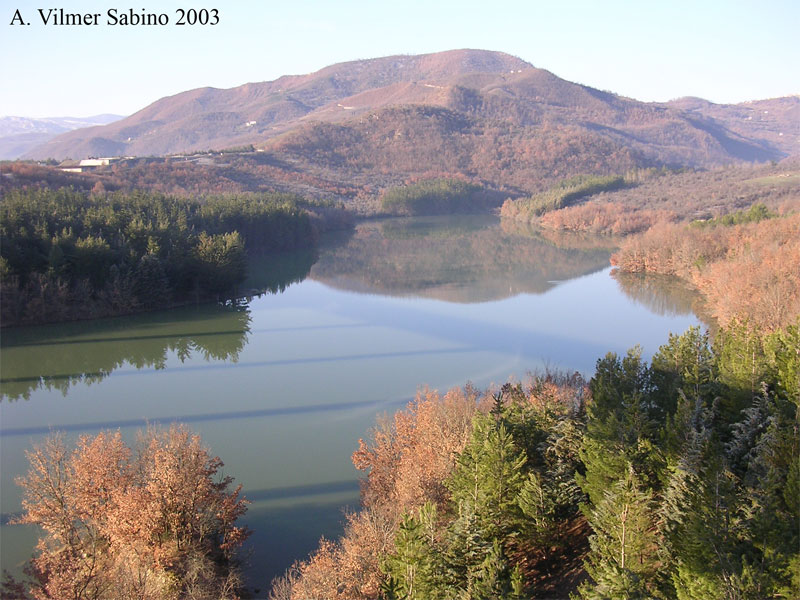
column 270, row 273
column 561, row 239
column 662, row 294
column 464, row 259
column 57, row 357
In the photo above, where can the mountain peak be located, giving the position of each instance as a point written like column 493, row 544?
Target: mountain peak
column 480, row 88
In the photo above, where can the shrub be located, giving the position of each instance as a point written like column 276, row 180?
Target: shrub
column 150, row 522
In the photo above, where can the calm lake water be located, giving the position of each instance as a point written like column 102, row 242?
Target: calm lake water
column 282, row 387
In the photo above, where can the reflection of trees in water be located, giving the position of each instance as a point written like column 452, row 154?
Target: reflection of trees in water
column 273, row 273
column 560, row 239
column 441, row 227
column 662, row 294
column 463, row 259
column 59, row 356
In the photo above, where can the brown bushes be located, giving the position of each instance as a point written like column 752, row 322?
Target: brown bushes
column 609, row 217
column 749, row 271
column 154, row 523
column 408, row 460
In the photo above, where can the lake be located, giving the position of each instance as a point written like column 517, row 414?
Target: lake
column 282, row 386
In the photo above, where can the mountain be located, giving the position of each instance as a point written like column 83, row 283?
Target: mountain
column 213, row 118
column 20, row 135
column 775, row 122
column 485, row 115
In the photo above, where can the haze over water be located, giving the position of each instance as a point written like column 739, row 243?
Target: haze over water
column 282, row 387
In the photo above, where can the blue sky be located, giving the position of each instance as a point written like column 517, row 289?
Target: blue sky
column 724, row 51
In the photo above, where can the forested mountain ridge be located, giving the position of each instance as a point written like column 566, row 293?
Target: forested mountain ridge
column 214, row 118
column 484, row 114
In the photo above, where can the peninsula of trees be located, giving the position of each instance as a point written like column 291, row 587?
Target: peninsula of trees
column 68, row 255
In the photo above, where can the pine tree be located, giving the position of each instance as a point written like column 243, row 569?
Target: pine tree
column 621, row 431
column 783, row 351
column 684, row 365
column 488, row 477
column 467, row 545
column 743, row 366
column 150, row 283
column 494, row 576
column 766, row 505
column 476, row 566
column 623, row 558
column 690, row 434
column 537, row 504
column 705, row 547
column 413, row 569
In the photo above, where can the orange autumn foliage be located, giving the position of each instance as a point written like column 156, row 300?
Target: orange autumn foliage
column 155, row 523
column 408, row 459
column 749, row 271
column 607, row 218
column 410, row 456
column 343, row 570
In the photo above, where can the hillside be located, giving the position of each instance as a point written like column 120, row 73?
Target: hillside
column 774, row 122
column 486, row 115
column 213, row 118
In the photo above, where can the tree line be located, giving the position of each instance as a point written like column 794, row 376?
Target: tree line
column 68, row 255
column 564, row 193
column 433, row 197
column 679, row 479
column 61, row 371
column 745, row 264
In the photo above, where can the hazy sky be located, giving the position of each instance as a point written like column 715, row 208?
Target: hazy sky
column 725, row 51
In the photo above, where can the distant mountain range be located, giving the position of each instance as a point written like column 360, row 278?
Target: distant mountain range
column 486, row 115
column 20, row 135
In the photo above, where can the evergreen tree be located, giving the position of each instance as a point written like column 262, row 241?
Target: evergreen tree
column 150, row 283
column 781, row 349
column 413, row 570
column 623, row 560
column 477, row 567
column 561, row 451
column 743, row 366
column 220, row 261
column 537, row 503
column 467, row 545
column 488, row 477
column 526, row 422
column 620, row 432
column 684, row 365
column 495, row 578
column 766, row 505
column 725, row 518
column 705, row 549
